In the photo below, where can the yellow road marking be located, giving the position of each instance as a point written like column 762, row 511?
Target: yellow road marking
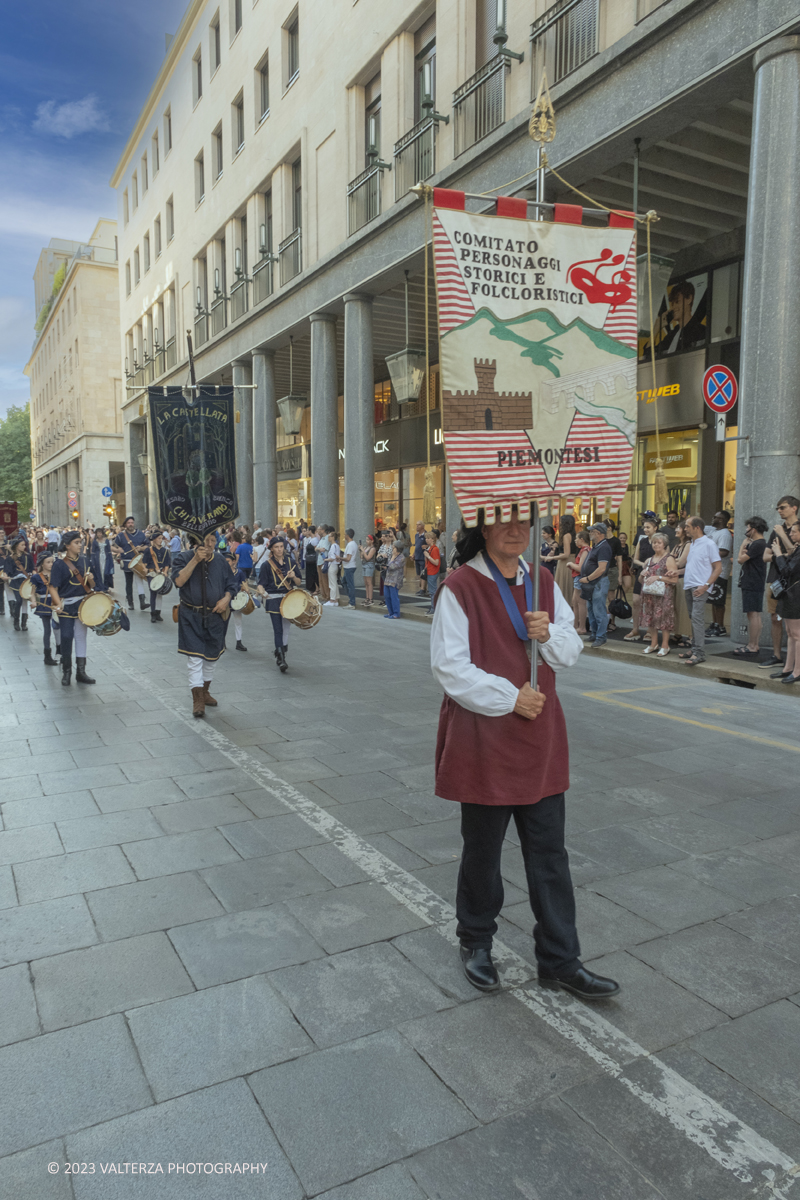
column 606, row 698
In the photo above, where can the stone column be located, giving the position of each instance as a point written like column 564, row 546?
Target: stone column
column 243, row 404
column 770, row 361
column 359, row 418
column 324, row 420
column 138, row 484
column 265, row 454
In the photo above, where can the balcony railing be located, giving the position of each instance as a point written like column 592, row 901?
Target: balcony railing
column 562, row 39
column 171, row 353
column 415, row 156
column 479, row 105
column 200, row 329
column 239, row 299
column 290, row 255
column 364, row 196
column 219, row 315
column 262, row 279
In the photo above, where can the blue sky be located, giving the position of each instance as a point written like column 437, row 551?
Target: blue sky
column 73, row 78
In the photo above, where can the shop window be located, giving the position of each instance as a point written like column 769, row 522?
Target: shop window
column 726, row 302
column 387, row 499
column 383, row 401
column 413, row 488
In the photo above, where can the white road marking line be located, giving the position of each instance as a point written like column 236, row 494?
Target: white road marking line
column 726, row 1139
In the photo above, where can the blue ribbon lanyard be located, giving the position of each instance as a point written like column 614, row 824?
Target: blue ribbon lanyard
column 508, row 600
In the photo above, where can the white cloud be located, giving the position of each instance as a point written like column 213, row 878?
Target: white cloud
column 70, row 119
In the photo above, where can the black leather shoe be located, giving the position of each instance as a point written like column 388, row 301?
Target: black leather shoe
column 479, row 968
column 583, row 983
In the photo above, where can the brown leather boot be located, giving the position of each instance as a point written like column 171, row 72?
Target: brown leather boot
column 209, row 700
column 198, row 702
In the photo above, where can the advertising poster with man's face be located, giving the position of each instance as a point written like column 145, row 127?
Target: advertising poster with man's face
column 682, row 318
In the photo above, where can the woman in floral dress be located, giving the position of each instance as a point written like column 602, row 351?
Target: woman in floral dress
column 658, row 611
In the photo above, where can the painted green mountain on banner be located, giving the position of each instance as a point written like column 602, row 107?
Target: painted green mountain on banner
column 536, row 333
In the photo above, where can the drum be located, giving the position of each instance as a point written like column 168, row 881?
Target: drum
column 301, row 608
column 95, row 609
column 242, row 603
column 136, row 564
column 113, row 624
column 26, row 590
column 161, row 584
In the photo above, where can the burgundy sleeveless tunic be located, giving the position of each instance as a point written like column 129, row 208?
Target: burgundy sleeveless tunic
column 509, row 759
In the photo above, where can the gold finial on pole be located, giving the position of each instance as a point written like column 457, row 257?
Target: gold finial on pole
column 542, row 125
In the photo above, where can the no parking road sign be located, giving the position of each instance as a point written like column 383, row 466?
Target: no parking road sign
column 720, row 389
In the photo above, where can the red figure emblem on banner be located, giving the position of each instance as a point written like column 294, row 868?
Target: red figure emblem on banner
column 615, row 292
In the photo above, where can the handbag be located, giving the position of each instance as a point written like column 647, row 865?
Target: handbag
column 619, row 606
column 587, row 588
column 654, row 586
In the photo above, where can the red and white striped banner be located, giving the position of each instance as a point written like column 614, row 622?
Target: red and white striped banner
column 537, row 321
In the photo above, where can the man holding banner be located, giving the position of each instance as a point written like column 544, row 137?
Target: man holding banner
column 207, row 586
column 538, row 335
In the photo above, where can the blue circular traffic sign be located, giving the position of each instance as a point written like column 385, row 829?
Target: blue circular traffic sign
column 720, row 389
column 107, row 491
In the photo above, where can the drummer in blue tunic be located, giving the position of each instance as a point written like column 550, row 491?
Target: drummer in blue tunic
column 131, row 541
column 276, row 577
column 70, row 581
column 239, row 579
column 19, row 568
column 207, row 587
column 158, row 561
column 44, row 608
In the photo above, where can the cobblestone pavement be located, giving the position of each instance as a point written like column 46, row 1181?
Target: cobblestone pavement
column 231, row 942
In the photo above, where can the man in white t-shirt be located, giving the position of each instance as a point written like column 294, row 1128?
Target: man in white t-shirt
column 722, row 537
column 53, row 536
column 703, row 565
column 349, row 564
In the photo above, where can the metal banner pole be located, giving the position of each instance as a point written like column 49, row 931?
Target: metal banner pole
column 536, row 555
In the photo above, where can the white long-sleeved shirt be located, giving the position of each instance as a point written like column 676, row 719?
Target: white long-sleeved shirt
column 468, row 685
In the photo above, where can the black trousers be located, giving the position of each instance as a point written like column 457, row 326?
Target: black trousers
column 129, row 588
column 2, row 596
column 480, row 887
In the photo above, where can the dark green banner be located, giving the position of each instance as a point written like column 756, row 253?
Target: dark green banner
column 194, row 457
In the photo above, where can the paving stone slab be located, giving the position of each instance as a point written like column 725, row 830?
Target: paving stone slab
column 783, row 851
column 665, row 897
column 762, row 1050
column 346, row 996
column 774, row 924
column 55, row 783
column 390, row 1183
column 261, row 881
column 423, row 806
column 189, row 815
column 366, row 817
column 664, row 1155
column 25, row 1176
column 240, row 944
column 24, row 845
column 496, row 1055
column 8, row 892
column 596, row 810
column 179, row 852
column 624, row 849
column 108, row 829
column 650, row 1008
column 23, row 765
column 759, row 819
column 66, row 874
column 533, row 1151
column 602, row 925
column 42, row 810
column 693, row 832
column 722, row 967
column 333, row 864
column 82, row 985
column 23, row 788
column 136, row 795
column 153, row 763
column 742, row 876
column 214, row 783
column 371, row 785
column 59, row 1082
column 160, row 903
column 353, row 916
column 240, row 1027
column 270, row 835
column 381, row 1104
column 399, row 854
column 261, row 803
column 18, row 1016
column 220, row 1124
column 436, row 842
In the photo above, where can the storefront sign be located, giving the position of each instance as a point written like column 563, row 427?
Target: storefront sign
column 403, row 443
column 673, row 460
column 538, row 331
column 290, row 460
column 679, row 390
